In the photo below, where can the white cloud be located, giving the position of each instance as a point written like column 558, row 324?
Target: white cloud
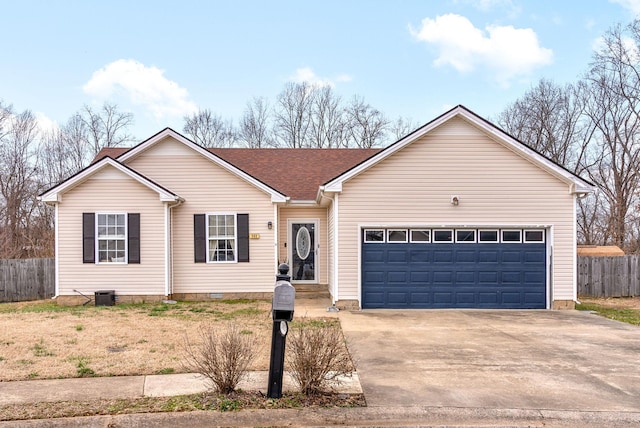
column 306, row 74
column 141, row 85
column 632, row 6
column 506, row 52
column 45, row 123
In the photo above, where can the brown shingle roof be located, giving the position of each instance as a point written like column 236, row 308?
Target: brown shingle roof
column 296, row 173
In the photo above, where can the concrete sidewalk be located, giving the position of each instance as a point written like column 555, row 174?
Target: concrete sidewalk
column 96, row 388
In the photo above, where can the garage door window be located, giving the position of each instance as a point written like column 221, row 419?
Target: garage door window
column 533, row 236
column 442, row 235
column 512, row 236
column 466, row 236
column 396, row 235
column 374, row 235
column 420, row 235
column 488, row 236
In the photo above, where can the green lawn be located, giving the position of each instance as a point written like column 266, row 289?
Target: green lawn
column 628, row 315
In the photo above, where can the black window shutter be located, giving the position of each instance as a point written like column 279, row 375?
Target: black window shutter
column 88, row 238
column 133, row 237
column 243, row 237
column 199, row 238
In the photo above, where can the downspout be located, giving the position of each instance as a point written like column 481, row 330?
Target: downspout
column 169, row 246
column 56, row 254
column 575, row 245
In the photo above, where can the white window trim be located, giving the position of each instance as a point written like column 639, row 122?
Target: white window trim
column 510, row 230
column 524, row 236
column 475, row 236
column 235, row 237
column 126, row 238
column 498, row 235
column 384, row 236
column 433, row 235
column 406, row 236
column 428, row 241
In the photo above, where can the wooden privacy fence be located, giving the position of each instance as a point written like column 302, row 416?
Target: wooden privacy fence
column 609, row 276
column 26, row 279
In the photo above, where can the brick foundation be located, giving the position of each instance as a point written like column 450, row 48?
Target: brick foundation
column 564, row 304
column 348, row 305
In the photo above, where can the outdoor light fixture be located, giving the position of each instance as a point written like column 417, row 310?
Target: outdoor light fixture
column 455, row 200
column 270, row 225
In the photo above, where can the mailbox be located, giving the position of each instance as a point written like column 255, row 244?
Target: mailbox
column 284, row 297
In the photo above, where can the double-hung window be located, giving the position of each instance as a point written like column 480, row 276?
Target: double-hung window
column 111, row 238
column 222, row 237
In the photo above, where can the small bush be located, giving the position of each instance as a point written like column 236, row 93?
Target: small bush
column 223, row 356
column 317, row 355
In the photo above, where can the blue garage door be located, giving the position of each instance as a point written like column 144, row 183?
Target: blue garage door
column 505, row 275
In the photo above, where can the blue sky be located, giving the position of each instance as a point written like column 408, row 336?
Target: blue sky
column 161, row 60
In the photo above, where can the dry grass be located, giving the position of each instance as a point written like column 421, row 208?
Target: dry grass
column 185, row 403
column 40, row 340
column 613, row 302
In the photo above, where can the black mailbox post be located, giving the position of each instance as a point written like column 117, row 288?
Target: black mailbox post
column 282, row 306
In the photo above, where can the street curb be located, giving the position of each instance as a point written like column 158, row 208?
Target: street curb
column 364, row 416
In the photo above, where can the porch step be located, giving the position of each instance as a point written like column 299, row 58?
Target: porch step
column 311, row 291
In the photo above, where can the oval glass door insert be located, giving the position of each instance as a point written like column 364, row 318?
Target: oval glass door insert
column 303, row 243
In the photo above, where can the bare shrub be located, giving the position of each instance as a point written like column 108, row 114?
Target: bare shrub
column 223, row 356
column 318, row 354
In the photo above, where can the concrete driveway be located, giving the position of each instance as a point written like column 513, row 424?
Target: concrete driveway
column 558, row 360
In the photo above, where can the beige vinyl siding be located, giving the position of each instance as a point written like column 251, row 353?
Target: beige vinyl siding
column 288, row 214
column 110, row 190
column 208, row 188
column 494, row 185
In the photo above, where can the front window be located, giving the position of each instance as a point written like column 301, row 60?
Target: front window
column 112, row 238
column 222, row 237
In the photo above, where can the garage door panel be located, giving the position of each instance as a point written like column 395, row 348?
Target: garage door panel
column 510, row 277
column 465, row 277
column 511, row 256
column 440, row 298
column 398, row 298
column 420, row 256
column 397, row 277
column 397, row 256
column 466, row 298
column 440, row 277
column 420, row 299
column 450, row 275
column 443, row 256
column 375, row 277
column 418, row 277
column 374, row 255
column 466, row 256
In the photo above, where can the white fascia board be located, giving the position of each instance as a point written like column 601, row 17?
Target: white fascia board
column 55, row 194
column 578, row 185
column 168, row 132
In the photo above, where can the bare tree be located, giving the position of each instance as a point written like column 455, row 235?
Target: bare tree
column 255, row 131
column 550, row 119
column 327, row 124
column 210, row 130
column 107, row 127
column 402, row 127
column 18, row 183
column 366, row 125
column 292, row 115
column 64, row 151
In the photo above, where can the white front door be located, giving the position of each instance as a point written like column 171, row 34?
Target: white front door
column 303, row 250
